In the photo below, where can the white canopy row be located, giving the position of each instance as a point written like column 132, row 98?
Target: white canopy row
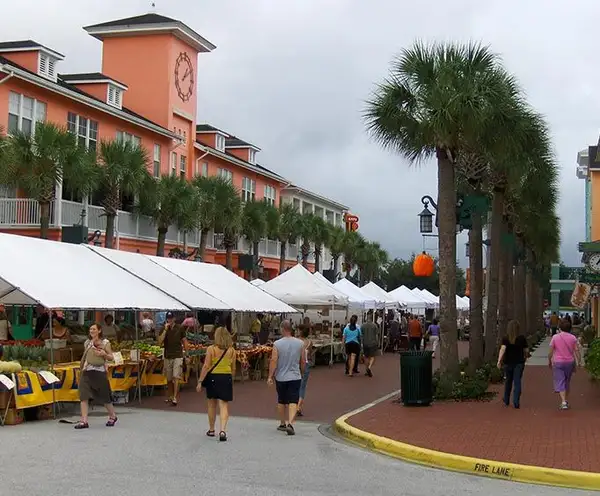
column 75, row 277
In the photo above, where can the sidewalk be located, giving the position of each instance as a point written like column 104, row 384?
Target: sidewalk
column 537, row 435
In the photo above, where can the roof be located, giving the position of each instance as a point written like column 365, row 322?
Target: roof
column 91, row 77
column 63, row 87
column 147, row 24
column 207, row 128
column 316, row 196
column 27, row 45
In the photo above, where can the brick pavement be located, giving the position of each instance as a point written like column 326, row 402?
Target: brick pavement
column 329, row 395
column 537, row 434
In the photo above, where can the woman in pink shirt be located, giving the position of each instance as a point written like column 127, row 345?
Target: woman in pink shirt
column 563, row 358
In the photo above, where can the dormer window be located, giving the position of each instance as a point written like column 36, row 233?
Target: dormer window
column 252, row 156
column 115, row 96
column 220, row 143
column 47, row 66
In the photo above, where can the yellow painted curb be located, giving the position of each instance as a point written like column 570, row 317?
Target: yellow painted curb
column 465, row 464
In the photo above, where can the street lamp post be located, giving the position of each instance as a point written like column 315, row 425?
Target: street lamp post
column 426, row 216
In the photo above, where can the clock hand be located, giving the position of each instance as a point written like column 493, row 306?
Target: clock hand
column 187, row 73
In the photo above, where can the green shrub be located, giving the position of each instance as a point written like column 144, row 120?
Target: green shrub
column 589, row 334
column 592, row 359
column 465, row 388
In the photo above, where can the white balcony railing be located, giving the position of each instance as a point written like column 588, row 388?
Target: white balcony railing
column 25, row 212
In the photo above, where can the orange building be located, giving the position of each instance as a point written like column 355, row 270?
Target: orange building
column 150, row 100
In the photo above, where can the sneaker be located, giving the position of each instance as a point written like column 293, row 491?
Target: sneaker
column 369, row 373
column 564, row 406
column 282, row 427
column 290, row 430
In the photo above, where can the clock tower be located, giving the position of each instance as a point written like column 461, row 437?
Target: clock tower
column 157, row 58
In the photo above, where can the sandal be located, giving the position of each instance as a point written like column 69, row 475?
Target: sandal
column 210, row 433
column 222, row 436
column 81, row 425
column 168, row 401
column 173, row 402
column 111, row 422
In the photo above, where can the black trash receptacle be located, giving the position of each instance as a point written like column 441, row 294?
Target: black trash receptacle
column 416, row 373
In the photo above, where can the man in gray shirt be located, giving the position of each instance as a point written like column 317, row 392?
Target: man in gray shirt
column 287, row 367
column 370, row 341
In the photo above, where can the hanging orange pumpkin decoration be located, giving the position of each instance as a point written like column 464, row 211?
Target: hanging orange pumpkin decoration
column 424, row 265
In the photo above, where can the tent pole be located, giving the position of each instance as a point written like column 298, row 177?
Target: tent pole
column 139, row 376
column 52, row 363
column 331, row 324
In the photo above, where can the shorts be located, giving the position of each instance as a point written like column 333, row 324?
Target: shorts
column 288, row 392
column 219, row 387
column 352, row 348
column 173, row 368
column 370, row 351
column 94, row 385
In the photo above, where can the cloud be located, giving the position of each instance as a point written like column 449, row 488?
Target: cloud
column 292, row 77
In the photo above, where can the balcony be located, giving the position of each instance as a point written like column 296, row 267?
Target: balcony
column 569, row 273
column 25, row 212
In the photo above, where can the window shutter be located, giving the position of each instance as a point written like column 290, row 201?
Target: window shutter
column 43, row 65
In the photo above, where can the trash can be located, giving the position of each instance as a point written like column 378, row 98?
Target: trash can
column 416, row 371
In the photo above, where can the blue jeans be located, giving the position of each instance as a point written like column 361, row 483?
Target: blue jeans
column 513, row 373
column 304, row 380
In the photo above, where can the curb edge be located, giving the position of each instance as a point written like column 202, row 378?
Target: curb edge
column 464, row 464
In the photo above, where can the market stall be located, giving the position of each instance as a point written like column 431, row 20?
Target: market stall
column 299, row 288
column 47, row 273
column 356, row 294
column 413, row 302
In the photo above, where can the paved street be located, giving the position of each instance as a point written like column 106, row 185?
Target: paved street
column 159, row 453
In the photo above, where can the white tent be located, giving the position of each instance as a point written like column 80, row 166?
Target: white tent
column 355, row 294
column 466, row 300
column 352, row 302
column 431, row 296
column 61, row 275
column 159, row 277
column 427, row 297
column 408, row 299
column 298, row 287
column 461, row 304
column 378, row 293
column 257, row 282
column 237, row 293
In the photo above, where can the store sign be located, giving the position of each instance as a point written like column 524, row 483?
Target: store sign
column 589, row 278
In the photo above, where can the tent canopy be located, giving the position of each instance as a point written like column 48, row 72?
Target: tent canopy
column 297, row 286
column 428, row 297
column 257, row 282
column 236, row 293
column 407, row 298
column 159, row 277
column 431, row 296
column 376, row 292
column 461, row 304
column 61, row 275
column 352, row 302
column 355, row 294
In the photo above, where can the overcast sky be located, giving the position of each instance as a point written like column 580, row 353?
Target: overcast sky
column 292, row 77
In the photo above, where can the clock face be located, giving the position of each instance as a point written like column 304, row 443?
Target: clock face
column 184, row 76
column 594, row 262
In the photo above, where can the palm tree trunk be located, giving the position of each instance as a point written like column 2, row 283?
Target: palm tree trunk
column 202, row 243
column 520, row 314
column 229, row 257
column 530, row 296
column 282, row 257
column 254, row 272
column 476, row 293
column 44, row 219
column 185, row 244
column 317, row 259
column 335, row 265
column 305, row 249
column 491, row 317
column 502, row 292
column 447, row 276
column 160, row 244
column 510, row 279
column 110, row 230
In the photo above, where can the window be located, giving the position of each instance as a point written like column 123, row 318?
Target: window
column 47, row 66
column 270, row 195
column 115, row 96
column 24, row 112
column 220, row 143
column 156, row 160
column 201, row 169
column 85, row 129
column 173, row 163
column 127, row 137
column 182, row 166
column 225, row 174
column 248, row 189
column 184, row 137
column 252, row 156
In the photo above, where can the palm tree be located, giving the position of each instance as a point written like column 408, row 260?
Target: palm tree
column 123, row 171
column 36, row 162
column 336, row 241
column 285, row 227
column 168, row 201
column 307, row 235
column 230, row 220
column 434, row 102
column 370, row 259
column 254, row 228
column 320, row 237
column 353, row 244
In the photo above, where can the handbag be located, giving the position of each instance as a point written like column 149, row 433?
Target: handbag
column 208, row 377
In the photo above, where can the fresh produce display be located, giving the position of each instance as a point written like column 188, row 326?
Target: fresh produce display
column 28, row 343
column 10, row 367
column 197, row 338
column 29, row 357
column 123, row 345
